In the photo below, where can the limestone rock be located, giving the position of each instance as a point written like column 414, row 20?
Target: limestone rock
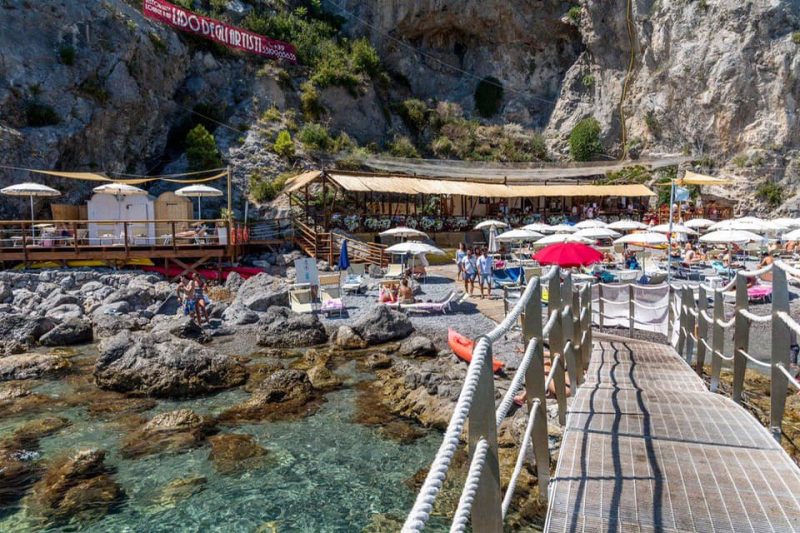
column 233, row 453
column 286, row 394
column 71, row 331
column 281, row 327
column 170, row 432
column 261, row 292
column 323, row 379
column 417, row 346
column 382, row 324
column 30, row 366
column 347, row 338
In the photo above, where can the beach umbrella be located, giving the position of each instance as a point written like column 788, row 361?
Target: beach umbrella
column 731, row 236
column 519, row 235
column 596, row 233
column 699, row 223
column 198, row 191
column 404, row 231
column 591, row 223
column 344, row 260
column 560, row 238
column 491, row 224
column 568, row 254
column 793, row 235
column 493, row 246
column 644, row 237
column 31, row 190
column 676, row 228
column 539, row 227
column 414, row 247
column 563, row 228
column 751, row 224
column 626, row 225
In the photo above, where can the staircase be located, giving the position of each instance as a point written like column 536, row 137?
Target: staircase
column 325, row 246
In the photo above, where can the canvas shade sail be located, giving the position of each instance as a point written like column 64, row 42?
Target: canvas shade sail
column 693, row 178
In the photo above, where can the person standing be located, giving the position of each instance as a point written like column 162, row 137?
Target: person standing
column 469, row 267
column 198, row 296
column 485, row 273
column 461, row 253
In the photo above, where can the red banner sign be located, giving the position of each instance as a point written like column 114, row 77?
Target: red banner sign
column 224, row 34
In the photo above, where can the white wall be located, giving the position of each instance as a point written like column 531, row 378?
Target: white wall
column 111, row 207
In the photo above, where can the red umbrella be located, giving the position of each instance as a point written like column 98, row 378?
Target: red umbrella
column 568, row 254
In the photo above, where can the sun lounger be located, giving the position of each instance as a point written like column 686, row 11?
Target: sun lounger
column 628, row 276
column 441, row 306
column 301, row 300
column 357, row 269
column 507, row 276
column 353, row 284
column 394, row 271
column 331, row 299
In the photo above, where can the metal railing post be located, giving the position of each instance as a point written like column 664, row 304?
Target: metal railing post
column 702, row 331
column 487, row 514
column 718, row 344
column 631, row 310
column 534, row 385
column 781, row 345
column 741, row 338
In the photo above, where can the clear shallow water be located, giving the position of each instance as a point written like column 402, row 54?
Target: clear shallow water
column 323, row 473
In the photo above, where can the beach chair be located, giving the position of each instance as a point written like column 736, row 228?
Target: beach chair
column 394, row 271
column 330, row 294
column 357, row 269
column 628, row 276
column 440, row 306
column 301, row 300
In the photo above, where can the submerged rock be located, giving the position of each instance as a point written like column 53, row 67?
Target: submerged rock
column 257, row 373
column 170, row 432
column 31, row 366
column 233, row 453
column 161, row 365
column 377, row 361
column 382, row 324
column 347, row 338
column 76, row 487
column 71, row 331
column 180, row 489
column 281, row 327
column 323, row 379
column 286, row 394
column 30, row 432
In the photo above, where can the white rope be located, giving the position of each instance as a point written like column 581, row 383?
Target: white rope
column 516, row 382
column 553, row 367
column 789, row 321
column 731, row 284
column 549, row 325
column 787, row 268
column 692, row 311
column 753, row 359
column 526, row 441
column 705, row 316
column 788, row 375
column 726, row 323
column 754, row 317
column 461, row 517
column 705, row 343
column 657, row 287
column 754, row 273
column 722, row 356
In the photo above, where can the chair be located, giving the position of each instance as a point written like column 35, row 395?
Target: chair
column 357, row 269
column 330, row 294
column 301, row 300
column 394, row 271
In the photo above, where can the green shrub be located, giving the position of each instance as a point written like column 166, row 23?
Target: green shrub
column 796, row 37
column 343, row 143
column 364, row 58
column 353, row 160
column 442, row 146
column 284, row 145
column 185, row 4
column 633, row 174
column 574, row 14
column 403, row 147
column 67, row 54
column 415, row 113
column 158, row 43
column 261, row 189
column 652, row 123
column 271, row 114
column 588, row 81
column 201, row 149
column 584, row 140
column 315, row 136
column 740, row 160
column 488, row 96
column 309, row 101
column 771, row 193
column 333, row 68
column 38, row 114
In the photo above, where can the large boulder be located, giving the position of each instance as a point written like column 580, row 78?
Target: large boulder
column 262, row 291
column 239, row 315
column 108, row 325
column 416, row 346
column 182, row 326
column 78, row 487
column 161, row 365
column 71, row 331
column 19, row 332
column 382, row 324
column 286, row 394
column 347, row 338
column 281, row 327
column 170, row 432
column 234, row 281
column 64, row 312
column 322, row 378
column 30, row 366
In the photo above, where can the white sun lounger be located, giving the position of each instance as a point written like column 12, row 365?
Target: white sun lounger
column 442, row 306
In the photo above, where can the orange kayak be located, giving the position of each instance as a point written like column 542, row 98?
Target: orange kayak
column 462, row 346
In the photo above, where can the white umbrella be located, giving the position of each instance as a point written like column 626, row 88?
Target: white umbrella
column 562, row 237
column 518, row 235
column 596, row 233
column 751, row 224
column 493, row 247
column 414, row 247
column 198, row 191
column 563, row 228
column 591, row 223
column 644, row 237
column 729, row 236
column 30, row 189
column 491, row 224
column 786, row 222
column 539, row 227
column 676, row 228
column 626, row 225
column 698, row 223
column 793, row 235
column 403, row 231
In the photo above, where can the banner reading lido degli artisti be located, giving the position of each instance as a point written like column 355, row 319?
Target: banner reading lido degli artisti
column 224, row 34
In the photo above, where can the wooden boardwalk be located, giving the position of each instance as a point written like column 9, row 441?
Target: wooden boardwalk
column 648, row 448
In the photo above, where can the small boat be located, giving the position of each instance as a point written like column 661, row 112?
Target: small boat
column 462, row 346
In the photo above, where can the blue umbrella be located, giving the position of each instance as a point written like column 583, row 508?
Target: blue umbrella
column 344, row 261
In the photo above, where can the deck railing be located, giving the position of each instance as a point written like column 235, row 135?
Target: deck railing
column 568, row 333
column 700, row 334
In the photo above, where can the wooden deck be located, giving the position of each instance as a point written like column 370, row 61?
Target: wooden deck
column 648, row 448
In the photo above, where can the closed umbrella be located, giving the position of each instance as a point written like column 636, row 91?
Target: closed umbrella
column 344, row 260
column 491, row 224
column 30, row 189
column 404, row 231
column 198, row 191
column 626, row 225
column 493, row 247
column 568, row 254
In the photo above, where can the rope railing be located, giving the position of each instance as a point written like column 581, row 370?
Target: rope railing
column 701, row 327
column 567, row 332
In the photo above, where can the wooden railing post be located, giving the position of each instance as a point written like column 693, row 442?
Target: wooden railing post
column 718, row 344
column 587, row 326
column 680, row 346
column 174, row 238
column 631, row 310
column 741, row 338
column 487, row 507
column 781, row 345
column 25, row 245
column 567, row 330
column 702, row 331
column 601, row 308
column 535, row 387
column 75, row 236
column 557, row 345
column 125, row 236
column 690, row 323
column 576, row 334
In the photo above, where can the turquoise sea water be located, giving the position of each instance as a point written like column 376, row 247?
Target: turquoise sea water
column 323, row 473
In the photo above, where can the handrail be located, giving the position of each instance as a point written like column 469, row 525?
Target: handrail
column 568, row 332
column 711, row 327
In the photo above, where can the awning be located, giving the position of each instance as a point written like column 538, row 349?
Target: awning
column 411, row 185
column 94, row 176
column 301, row 180
column 692, row 178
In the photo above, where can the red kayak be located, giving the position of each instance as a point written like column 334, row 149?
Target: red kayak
column 462, row 346
column 207, row 273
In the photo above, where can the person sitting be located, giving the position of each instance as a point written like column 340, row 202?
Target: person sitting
column 631, row 262
column 405, row 294
column 689, row 255
column 766, row 260
column 388, row 295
